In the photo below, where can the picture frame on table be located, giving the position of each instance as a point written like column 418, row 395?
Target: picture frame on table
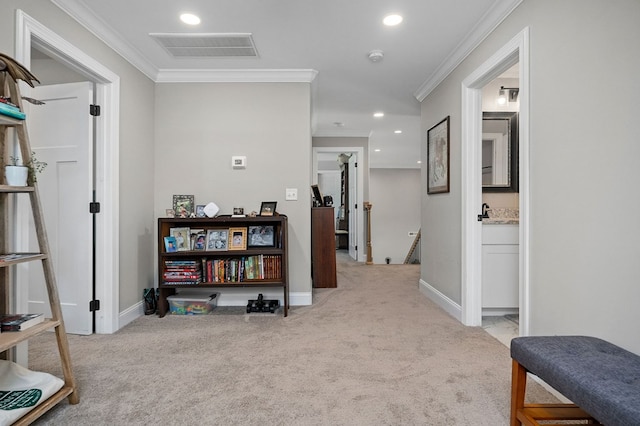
column 200, row 211
column 237, row 238
column 438, row 158
column 268, row 208
column 183, row 238
column 217, row 240
column 183, row 205
column 261, row 236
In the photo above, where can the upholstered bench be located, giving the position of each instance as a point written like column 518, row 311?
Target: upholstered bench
column 601, row 379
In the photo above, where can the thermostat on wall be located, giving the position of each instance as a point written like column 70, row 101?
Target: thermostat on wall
column 238, row 162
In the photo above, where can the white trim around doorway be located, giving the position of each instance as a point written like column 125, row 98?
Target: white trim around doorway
column 515, row 51
column 30, row 32
column 359, row 151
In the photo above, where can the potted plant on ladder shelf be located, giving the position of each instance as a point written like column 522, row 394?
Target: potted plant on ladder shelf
column 18, row 174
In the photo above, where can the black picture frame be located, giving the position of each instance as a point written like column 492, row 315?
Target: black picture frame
column 317, row 196
column 261, row 236
column 438, row 158
column 268, row 208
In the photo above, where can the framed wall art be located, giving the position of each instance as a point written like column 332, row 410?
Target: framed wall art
column 438, row 158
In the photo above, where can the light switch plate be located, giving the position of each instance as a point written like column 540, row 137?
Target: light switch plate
column 291, row 194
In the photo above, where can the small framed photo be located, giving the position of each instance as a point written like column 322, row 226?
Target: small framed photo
column 183, row 205
column 200, row 211
column 183, row 238
column 237, row 238
column 268, row 208
column 170, row 244
column 261, row 236
column 217, row 240
column 438, row 158
column 198, row 239
column 170, row 213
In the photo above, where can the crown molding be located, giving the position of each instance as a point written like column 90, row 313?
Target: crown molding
column 235, row 76
column 96, row 26
column 489, row 21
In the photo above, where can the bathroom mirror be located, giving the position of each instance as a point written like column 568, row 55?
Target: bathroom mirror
column 499, row 152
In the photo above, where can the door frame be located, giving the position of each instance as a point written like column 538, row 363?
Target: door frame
column 515, row 51
column 31, row 33
column 359, row 151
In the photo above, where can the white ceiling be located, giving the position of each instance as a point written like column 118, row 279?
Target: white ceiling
column 325, row 42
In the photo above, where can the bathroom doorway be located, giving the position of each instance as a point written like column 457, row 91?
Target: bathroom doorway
column 516, row 51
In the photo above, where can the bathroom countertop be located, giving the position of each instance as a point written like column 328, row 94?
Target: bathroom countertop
column 502, row 216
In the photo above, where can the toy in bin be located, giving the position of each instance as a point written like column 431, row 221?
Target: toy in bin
column 180, row 304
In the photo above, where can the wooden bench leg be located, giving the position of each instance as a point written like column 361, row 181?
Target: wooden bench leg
column 518, row 387
column 528, row 415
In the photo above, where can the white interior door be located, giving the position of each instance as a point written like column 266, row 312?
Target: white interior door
column 61, row 135
column 353, row 204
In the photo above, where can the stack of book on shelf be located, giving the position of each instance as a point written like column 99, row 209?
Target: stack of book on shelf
column 11, row 110
column 258, row 267
column 19, row 322
column 182, row 272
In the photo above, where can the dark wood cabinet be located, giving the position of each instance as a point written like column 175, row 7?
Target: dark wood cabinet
column 222, row 267
column 323, row 247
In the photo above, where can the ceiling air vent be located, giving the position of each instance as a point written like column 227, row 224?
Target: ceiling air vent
column 207, row 45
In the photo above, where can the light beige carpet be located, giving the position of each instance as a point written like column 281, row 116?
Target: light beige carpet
column 374, row 351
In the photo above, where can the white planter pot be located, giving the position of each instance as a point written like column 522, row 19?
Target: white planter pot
column 16, row 175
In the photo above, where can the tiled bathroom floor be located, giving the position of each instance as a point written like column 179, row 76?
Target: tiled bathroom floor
column 502, row 328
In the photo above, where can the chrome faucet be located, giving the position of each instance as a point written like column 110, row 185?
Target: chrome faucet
column 485, row 208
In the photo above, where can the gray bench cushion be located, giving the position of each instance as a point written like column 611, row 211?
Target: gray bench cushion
column 599, row 377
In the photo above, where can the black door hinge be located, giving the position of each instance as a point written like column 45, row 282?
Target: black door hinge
column 94, row 110
column 94, row 207
column 94, row 305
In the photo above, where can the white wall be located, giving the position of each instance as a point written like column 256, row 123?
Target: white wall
column 584, row 164
column 199, row 127
column 136, row 141
column 395, row 197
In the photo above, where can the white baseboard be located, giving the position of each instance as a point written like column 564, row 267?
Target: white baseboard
column 449, row 306
column 128, row 315
column 499, row 312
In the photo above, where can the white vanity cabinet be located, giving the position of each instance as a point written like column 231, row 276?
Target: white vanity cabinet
column 500, row 262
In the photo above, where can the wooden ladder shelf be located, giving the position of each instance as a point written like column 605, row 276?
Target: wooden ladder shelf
column 9, row 87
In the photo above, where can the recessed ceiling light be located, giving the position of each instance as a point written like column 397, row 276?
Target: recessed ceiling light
column 377, row 150
column 378, row 114
column 391, row 20
column 190, row 19
column 397, row 132
column 419, row 162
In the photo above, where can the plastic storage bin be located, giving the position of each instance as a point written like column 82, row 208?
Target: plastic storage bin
column 180, row 304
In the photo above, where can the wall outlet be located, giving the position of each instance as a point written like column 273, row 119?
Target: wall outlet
column 291, row 194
